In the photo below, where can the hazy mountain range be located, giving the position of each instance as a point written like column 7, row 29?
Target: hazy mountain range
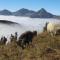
column 42, row 13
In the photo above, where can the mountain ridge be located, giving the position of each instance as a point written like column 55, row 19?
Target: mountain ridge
column 42, row 13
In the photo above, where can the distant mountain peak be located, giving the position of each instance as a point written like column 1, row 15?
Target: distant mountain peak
column 23, row 12
column 42, row 13
column 42, row 10
column 23, row 9
column 5, row 12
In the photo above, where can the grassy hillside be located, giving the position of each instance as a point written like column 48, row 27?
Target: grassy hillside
column 44, row 47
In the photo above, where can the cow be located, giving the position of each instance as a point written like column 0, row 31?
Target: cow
column 3, row 40
column 53, row 28
column 26, row 38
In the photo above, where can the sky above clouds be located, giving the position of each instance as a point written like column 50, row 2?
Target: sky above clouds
column 52, row 6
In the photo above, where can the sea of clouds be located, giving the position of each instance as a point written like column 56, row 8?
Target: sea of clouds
column 26, row 24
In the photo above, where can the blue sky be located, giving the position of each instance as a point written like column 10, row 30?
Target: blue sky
column 52, row 6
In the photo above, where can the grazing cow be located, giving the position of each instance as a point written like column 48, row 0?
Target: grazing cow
column 26, row 38
column 3, row 40
column 53, row 28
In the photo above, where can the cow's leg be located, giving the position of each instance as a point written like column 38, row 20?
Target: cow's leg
column 23, row 44
column 52, row 34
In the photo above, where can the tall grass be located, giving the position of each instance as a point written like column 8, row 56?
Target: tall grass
column 36, row 51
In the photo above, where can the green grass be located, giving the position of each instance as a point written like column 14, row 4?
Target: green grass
column 36, row 51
